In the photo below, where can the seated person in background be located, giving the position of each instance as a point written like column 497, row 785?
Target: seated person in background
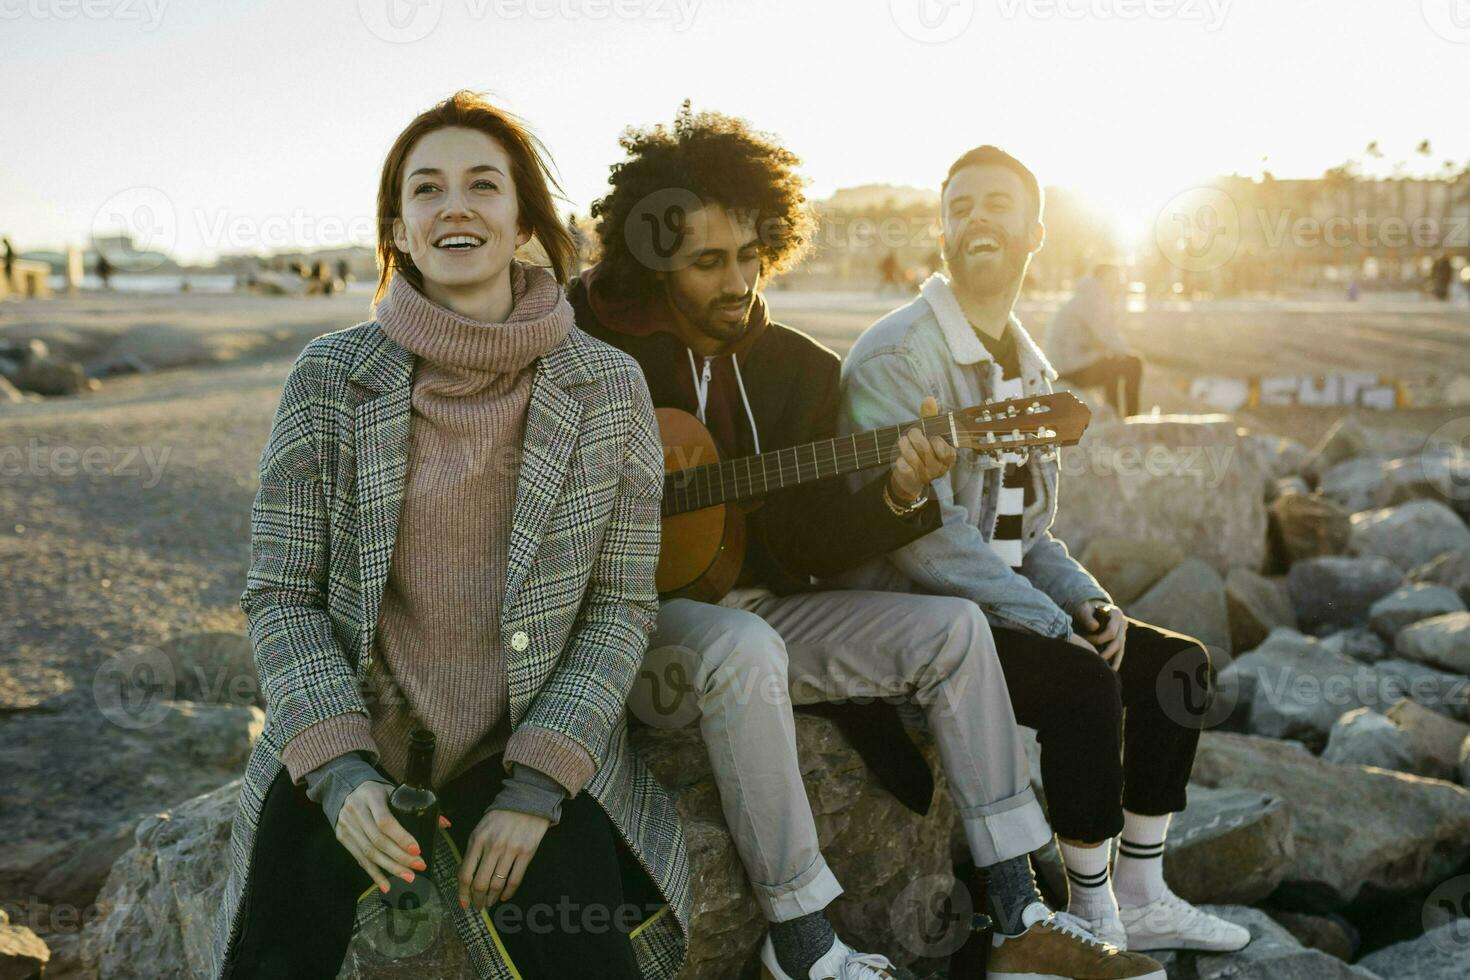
column 1086, row 347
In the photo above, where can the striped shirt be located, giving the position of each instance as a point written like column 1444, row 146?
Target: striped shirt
column 1017, row 490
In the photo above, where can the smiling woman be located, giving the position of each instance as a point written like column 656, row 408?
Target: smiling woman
column 457, row 530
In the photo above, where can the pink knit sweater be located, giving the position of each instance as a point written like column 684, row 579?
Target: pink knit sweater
column 438, row 660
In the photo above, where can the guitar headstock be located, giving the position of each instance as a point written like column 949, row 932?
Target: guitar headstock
column 1021, row 424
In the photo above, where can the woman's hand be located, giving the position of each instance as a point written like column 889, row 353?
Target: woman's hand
column 501, row 847
column 375, row 838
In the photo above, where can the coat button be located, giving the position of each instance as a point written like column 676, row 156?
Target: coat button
column 519, row 641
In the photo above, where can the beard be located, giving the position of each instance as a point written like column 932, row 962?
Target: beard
column 708, row 318
column 985, row 275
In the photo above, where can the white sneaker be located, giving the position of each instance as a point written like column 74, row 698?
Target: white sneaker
column 1107, row 927
column 841, row 962
column 1169, row 922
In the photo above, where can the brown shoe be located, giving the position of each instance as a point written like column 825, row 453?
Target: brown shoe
column 1055, row 949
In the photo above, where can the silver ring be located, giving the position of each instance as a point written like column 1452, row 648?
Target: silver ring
column 497, row 876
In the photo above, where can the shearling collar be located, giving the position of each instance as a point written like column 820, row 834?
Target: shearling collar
column 965, row 345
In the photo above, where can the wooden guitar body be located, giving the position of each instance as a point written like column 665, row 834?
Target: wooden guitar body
column 711, row 541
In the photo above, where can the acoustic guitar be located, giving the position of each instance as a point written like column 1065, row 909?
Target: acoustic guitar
column 705, row 499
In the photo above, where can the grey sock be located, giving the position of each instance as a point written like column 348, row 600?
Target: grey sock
column 1012, row 888
column 800, row 942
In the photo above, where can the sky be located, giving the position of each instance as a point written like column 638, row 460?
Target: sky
column 220, row 126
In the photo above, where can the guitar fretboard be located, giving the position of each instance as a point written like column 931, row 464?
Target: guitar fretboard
column 750, row 476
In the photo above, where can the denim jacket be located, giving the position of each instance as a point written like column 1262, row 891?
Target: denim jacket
column 929, row 348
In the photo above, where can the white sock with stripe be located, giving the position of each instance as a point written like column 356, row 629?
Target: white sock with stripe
column 1139, row 875
column 1089, row 892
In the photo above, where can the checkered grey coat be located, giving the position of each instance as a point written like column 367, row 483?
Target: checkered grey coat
column 580, row 584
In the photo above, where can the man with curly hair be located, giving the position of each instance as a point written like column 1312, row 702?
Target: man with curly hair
column 700, row 218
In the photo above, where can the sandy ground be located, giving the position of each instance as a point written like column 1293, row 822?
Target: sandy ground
column 124, row 512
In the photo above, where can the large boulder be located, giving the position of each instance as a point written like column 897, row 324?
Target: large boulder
column 1354, row 829
column 1256, row 606
column 1295, row 688
column 1442, row 641
column 1360, row 643
column 1406, row 606
column 1335, row 593
column 1410, row 534
column 1273, row 954
column 1190, row 599
column 1448, row 694
column 1451, row 569
column 1363, row 737
column 1439, row 740
column 1194, row 483
column 1307, row 526
column 1426, row 476
column 1349, row 437
column 162, row 893
column 1229, row 846
column 1128, row 568
column 1354, row 483
column 1439, row 954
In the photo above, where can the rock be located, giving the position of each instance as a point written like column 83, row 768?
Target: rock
column 1256, row 605
column 162, row 893
column 118, row 766
column 1273, row 954
column 1228, row 846
column 1280, row 457
column 9, row 393
column 1190, row 599
column 1410, row 534
column 1127, row 568
column 1451, row 569
column 1193, row 483
column 1426, row 476
column 1331, row 934
column 1448, row 694
column 23, row 956
column 1363, row 737
column 216, row 668
column 1439, row 954
column 1307, row 526
column 1360, row 643
column 1297, row 689
column 1334, row 593
column 1285, row 485
column 1408, row 605
column 1440, row 740
column 49, row 376
column 1442, row 641
column 1354, row 829
column 1348, row 437
column 1354, row 483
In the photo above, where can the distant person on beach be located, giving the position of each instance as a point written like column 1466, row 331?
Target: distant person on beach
column 890, row 274
column 486, row 573
column 104, row 271
column 1440, row 275
column 1087, row 348
column 9, row 264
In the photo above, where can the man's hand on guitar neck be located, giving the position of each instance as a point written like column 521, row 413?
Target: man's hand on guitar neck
column 921, row 459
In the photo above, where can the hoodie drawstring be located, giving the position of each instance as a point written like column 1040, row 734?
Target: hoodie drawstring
column 701, row 390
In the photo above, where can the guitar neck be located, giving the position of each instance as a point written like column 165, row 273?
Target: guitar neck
column 752, row 476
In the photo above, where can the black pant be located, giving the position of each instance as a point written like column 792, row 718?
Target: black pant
column 1105, row 374
column 581, row 894
column 1109, row 739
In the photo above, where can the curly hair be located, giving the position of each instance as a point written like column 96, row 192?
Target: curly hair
column 717, row 159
